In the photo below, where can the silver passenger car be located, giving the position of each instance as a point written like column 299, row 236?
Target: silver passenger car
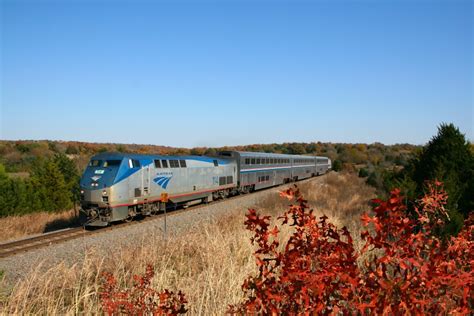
column 262, row 170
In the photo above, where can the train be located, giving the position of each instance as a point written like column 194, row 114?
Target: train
column 120, row 186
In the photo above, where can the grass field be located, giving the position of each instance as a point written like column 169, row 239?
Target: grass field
column 14, row 227
column 209, row 263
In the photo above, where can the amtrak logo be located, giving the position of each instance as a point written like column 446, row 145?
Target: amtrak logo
column 162, row 181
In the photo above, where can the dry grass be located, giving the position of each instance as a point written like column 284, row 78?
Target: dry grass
column 14, row 227
column 208, row 263
column 342, row 197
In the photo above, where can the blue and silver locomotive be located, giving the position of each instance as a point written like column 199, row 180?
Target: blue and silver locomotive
column 117, row 186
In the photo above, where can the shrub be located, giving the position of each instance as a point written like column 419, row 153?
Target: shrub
column 363, row 173
column 337, row 165
column 141, row 299
column 402, row 269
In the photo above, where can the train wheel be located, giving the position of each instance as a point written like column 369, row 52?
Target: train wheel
column 131, row 215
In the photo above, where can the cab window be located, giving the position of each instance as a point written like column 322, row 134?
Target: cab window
column 111, row 163
column 95, row 163
column 132, row 163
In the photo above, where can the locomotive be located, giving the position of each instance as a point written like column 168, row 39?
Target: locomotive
column 120, row 186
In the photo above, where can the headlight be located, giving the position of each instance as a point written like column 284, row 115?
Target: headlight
column 82, row 191
column 104, row 193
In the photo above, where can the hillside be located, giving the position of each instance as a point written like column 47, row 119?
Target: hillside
column 19, row 156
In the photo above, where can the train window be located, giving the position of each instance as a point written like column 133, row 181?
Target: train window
column 164, row 163
column 174, row 164
column 258, row 161
column 252, row 161
column 229, row 179
column 247, row 161
column 267, row 161
column 135, row 163
column 110, row 163
column 182, row 163
column 216, row 163
column 267, row 178
column 157, row 164
column 222, row 180
column 95, row 163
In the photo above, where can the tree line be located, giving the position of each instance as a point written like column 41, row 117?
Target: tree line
column 53, row 185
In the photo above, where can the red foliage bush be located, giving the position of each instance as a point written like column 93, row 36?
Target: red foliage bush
column 402, row 269
column 141, row 299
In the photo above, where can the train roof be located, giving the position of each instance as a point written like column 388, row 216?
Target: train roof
column 117, row 155
column 271, row 155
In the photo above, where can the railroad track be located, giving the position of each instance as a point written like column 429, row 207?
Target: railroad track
column 18, row 246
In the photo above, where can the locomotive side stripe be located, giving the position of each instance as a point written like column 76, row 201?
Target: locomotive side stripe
column 274, row 168
column 174, row 196
column 263, row 169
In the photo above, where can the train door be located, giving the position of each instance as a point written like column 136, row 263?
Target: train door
column 146, row 178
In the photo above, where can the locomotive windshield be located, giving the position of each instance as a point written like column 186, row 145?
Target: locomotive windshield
column 95, row 163
column 100, row 173
column 110, row 163
column 104, row 163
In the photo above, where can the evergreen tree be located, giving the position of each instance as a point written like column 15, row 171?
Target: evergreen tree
column 51, row 187
column 448, row 158
column 5, row 192
column 337, row 165
column 70, row 174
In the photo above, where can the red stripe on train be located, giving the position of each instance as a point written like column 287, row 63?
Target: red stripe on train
column 173, row 196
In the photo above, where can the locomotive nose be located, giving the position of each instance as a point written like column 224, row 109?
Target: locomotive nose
column 98, row 197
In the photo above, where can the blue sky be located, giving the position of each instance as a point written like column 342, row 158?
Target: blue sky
column 214, row 73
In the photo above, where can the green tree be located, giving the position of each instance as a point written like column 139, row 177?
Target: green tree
column 448, row 158
column 363, row 173
column 70, row 174
column 337, row 165
column 50, row 186
column 5, row 192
